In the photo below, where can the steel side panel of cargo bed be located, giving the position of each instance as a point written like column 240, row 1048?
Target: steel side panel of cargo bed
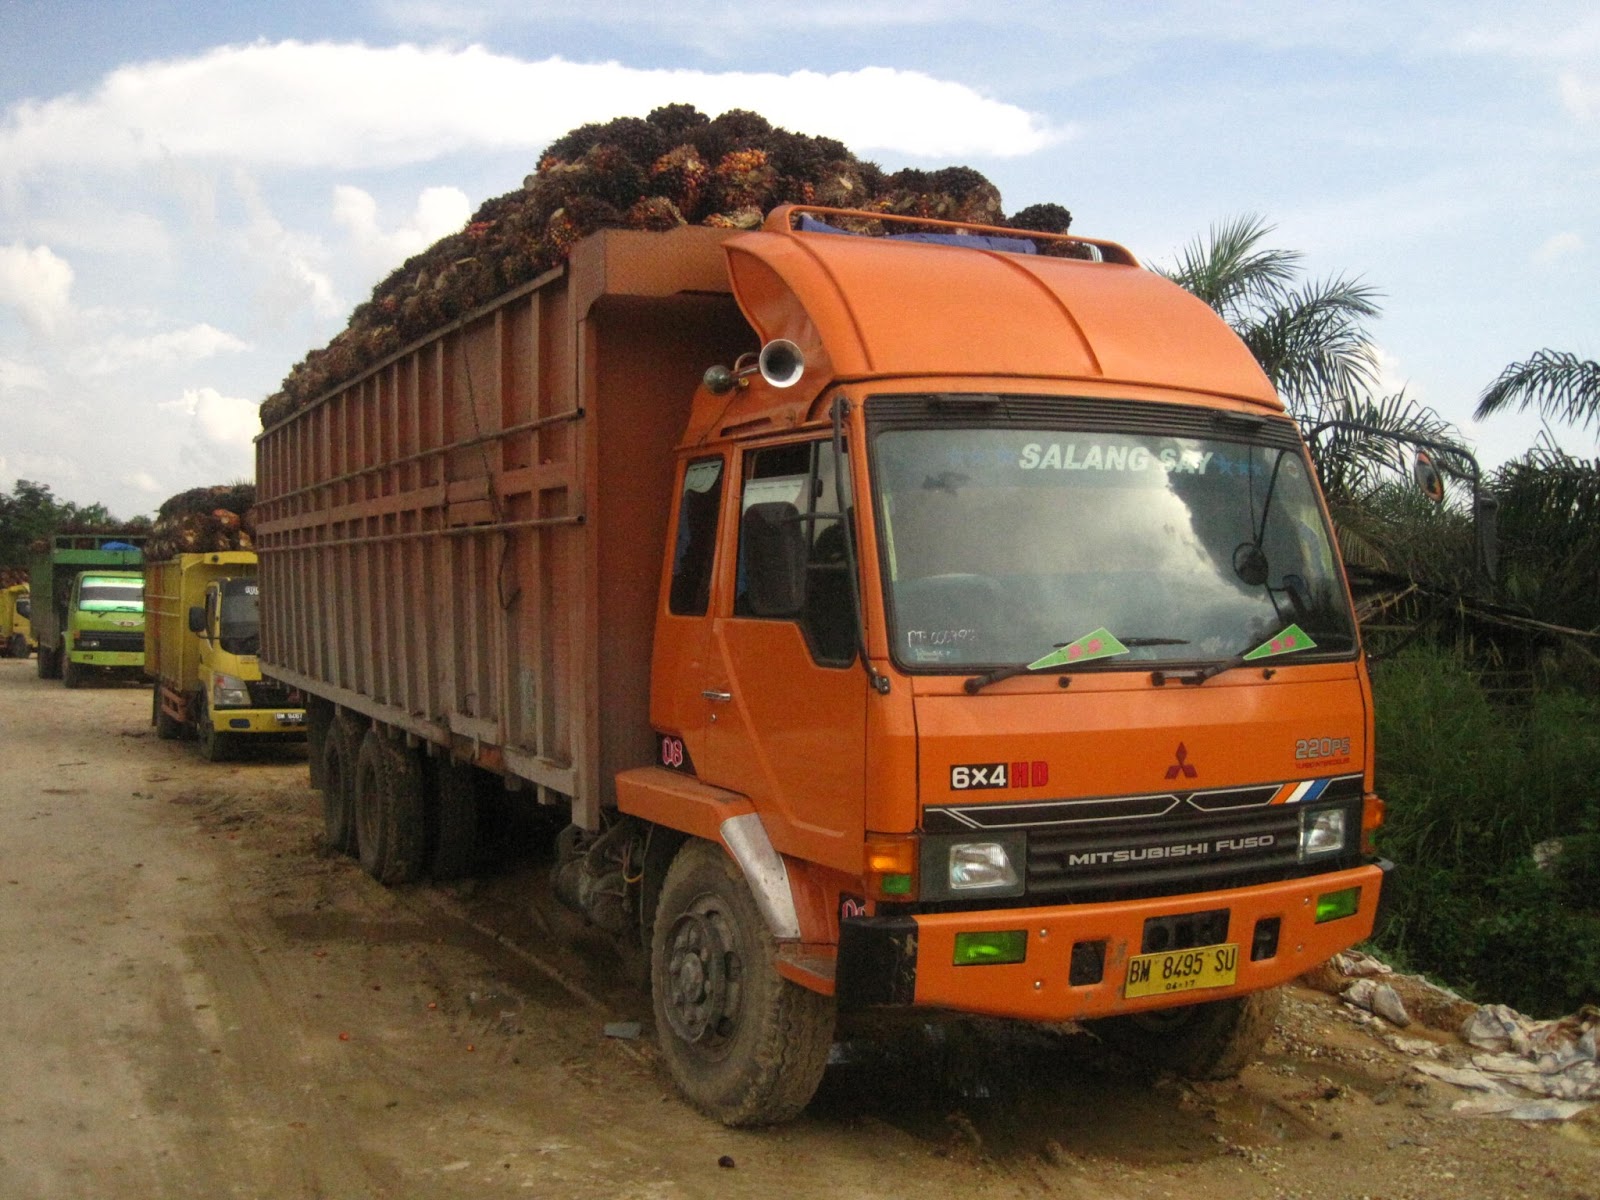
column 432, row 534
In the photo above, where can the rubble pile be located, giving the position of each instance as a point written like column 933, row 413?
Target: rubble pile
column 674, row 167
column 203, row 520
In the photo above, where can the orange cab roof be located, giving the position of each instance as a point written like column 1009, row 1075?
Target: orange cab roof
column 866, row 307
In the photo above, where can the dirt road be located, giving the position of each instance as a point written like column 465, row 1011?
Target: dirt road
column 199, row 1003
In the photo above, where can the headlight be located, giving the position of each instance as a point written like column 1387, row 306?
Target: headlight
column 974, row 865
column 87, row 643
column 229, row 691
column 1323, row 832
column 980, row 866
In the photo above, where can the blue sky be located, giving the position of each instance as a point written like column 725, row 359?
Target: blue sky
column 192, row 196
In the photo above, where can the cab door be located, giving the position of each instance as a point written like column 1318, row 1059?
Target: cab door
column 784, row 699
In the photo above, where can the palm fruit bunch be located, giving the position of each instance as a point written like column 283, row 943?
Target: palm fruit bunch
column 202, row 520
column 676, row 166
column 11, row 576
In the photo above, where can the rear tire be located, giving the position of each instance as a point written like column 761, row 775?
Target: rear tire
column 319, row 719
column 167, row 729
column 744, row 1045
column 452, row 819
column 338, row 771
column 1215, row 1040
column 391, row 829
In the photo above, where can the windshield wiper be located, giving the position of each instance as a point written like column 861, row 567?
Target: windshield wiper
column 1290, row 641
column 1102, row 643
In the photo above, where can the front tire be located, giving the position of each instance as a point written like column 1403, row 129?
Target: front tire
column 73, row 675
column 743, row 1044
column 1215, row 1040
column 215, row 745
column 19, row 646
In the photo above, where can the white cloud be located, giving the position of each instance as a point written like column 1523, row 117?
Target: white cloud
column 143, row 481
column 1560, row 247
column 37, row 283
column 291, row 264
column 439, row 211
column 18, row 377
column 217, row 446
column 120, row 352
column 296, row 104
column 1579, row 96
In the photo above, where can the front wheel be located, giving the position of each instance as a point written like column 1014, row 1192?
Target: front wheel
column 742, row 1043
column 1197, row 1041
column 73, row 675
column 19, row 646
column 215, row 745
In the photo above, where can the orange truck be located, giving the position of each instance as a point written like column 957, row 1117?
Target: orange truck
column 945, row 618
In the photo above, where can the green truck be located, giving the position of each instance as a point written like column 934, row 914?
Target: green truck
column 88, row 606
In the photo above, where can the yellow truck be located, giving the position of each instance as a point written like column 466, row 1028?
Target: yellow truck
column 203, row 630
column 16, row 630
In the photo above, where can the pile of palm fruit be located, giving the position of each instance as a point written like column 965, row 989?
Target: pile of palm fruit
column 11, row 576
column 203, row 520
column 674, row 167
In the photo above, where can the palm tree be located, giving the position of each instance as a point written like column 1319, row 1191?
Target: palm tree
column 1309, row 337
column 1562, row 386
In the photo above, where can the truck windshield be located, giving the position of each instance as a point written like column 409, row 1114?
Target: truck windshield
column 239, row 623
column 1001, row 545
column 99, row 595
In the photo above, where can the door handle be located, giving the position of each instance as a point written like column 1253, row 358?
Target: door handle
column 721, row 697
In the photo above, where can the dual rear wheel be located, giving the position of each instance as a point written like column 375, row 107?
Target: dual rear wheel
column 402, row 816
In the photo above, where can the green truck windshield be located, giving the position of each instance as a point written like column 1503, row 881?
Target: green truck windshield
column 1001, row 544
column 99, row 595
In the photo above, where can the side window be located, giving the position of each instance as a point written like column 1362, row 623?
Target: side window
column 697, row 538
column 792, row 561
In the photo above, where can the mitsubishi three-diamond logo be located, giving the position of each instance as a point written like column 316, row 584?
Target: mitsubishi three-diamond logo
column 1182, row 767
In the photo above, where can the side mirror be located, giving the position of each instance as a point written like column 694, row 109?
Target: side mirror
column 1429, row 482
column 197, row 619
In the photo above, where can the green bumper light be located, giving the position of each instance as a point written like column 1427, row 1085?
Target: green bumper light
column 1335, row 905
column 896, row 885
column 987, row 949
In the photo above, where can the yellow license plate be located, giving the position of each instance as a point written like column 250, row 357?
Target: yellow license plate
column 1182, row 971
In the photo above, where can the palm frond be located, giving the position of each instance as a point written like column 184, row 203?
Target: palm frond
column 1562, row 386
column 1230, row 271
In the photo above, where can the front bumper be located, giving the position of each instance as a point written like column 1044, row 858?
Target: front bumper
column 284, row 723
column 1077, row 956
column 107, row 658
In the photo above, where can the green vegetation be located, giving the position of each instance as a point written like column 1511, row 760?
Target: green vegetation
column 1495, row 824
column 1488, row 736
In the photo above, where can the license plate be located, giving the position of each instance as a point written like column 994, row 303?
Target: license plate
column 293, row 718
column 1182, row 971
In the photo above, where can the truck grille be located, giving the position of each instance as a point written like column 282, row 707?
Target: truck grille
column 119, row 642
column 1159, row 844
column 269, row 693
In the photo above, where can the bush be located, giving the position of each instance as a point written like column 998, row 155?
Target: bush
column 1472, row 787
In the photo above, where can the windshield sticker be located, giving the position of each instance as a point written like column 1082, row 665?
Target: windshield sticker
column 1102, row 643
column 1096, row 456
column 1291, row 639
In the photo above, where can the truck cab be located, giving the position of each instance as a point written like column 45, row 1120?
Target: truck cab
column 229, row 701
column 16, row 630
column 104, row 628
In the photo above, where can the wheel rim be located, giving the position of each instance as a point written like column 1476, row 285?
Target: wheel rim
column 703, row 976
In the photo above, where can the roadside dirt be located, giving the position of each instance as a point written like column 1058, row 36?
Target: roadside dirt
column 198, row 1002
